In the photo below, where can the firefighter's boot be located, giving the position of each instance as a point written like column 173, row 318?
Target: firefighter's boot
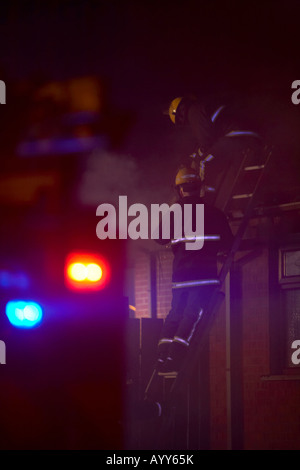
column 173, row 362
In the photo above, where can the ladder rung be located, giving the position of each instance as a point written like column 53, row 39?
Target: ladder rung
column 254, row 167
column 172, row 375
column 242, row 196
column 236, row 214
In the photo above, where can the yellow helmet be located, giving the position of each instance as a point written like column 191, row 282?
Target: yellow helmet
column 173, row 108
column 187, row 175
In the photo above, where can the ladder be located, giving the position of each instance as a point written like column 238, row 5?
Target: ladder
column 241, row 199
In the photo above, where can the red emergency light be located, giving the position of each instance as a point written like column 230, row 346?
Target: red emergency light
column 86, row 271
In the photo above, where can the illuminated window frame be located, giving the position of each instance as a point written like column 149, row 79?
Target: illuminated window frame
column 284, row 276
column 289, row 280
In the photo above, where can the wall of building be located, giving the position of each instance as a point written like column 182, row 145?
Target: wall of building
column 249, row 408
column 271, row 407
column 219, row 433
column 142, row 283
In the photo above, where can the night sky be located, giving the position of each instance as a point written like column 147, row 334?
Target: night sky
column 155, row 49
column 150, row 52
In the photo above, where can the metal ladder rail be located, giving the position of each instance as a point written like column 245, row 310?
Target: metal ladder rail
column 238, row 174
column 244, row 222
column 234, row 182
column 208, row 319
column 217, row 297
column 237, row 239
column 246, row 167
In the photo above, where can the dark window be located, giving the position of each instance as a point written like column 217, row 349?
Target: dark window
column 289, row 283
column 289, row 266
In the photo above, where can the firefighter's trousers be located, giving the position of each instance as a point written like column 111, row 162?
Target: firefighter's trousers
column 188, row 306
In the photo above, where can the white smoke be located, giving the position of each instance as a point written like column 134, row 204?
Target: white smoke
column 107, row 176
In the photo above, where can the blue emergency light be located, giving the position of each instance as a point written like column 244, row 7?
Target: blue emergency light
column 24, row 313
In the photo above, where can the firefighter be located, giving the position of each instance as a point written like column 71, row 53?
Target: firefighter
column 195, row 273
column 222, row 131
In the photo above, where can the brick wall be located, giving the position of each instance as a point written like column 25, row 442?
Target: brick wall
column 164, row 261
column 142, row 283
column 271, row 408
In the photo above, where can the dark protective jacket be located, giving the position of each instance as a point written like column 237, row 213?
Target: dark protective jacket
column 201, row 264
